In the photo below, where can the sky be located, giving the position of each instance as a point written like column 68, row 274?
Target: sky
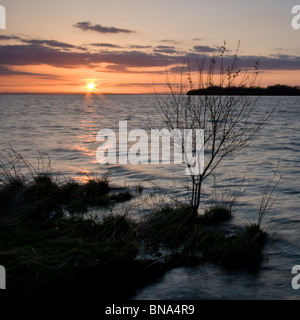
column 137, row 46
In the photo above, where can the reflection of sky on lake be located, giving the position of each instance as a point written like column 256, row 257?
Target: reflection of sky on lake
column 65, row 128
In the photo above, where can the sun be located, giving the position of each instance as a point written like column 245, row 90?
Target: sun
column 91, row 86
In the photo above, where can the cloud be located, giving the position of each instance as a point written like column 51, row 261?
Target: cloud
column 169, row 41
column 277, row 62
column 7, row 71
column 64, row 55
column 87, row 26
column 165, row 49
column 114, row 68
column 107, row 45
column 136, row 59
column 117, row 68
column 140, row 47
column 34, row 54
column 3, row 37
column 134, row 84
column 50, row 43
column 179, row 69
column 205, row 49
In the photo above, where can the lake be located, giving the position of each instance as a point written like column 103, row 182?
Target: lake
column 64, row 127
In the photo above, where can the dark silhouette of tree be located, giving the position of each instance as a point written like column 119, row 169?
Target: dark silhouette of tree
column 226, row 114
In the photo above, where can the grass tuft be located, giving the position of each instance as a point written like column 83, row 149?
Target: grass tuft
column 174, row 228
column 37, row 196
column 217, row 213
column 167, row 226
column 121, row 197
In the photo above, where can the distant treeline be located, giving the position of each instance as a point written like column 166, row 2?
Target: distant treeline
column 276, row 90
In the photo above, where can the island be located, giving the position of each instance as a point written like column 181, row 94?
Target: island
column 275, row 90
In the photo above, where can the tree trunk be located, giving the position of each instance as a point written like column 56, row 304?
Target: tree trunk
column 196, row 195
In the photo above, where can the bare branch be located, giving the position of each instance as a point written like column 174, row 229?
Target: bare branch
column 230, row 122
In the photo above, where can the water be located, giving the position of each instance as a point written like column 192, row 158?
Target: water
column 65, row 126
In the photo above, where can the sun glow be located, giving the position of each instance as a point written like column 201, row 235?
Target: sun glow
column 91, row 86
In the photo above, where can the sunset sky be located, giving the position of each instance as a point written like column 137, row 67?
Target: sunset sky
column 125, row 46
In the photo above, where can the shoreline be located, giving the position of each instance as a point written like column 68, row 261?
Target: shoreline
column 48, row 254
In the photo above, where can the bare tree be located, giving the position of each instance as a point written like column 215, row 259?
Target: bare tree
column 229, row 121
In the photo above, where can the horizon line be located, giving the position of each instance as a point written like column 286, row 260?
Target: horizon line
column 119, row 93
column 75, row 93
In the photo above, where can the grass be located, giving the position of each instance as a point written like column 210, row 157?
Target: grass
column 54, row 257
column 216, row 213
column 167, row 226
column 241, row 250
column 192, row 242
column 47, row 253
column 139, row 188
column 42, row 196
column 65, row 255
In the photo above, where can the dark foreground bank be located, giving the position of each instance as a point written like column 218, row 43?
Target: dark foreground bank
column 50, row 247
